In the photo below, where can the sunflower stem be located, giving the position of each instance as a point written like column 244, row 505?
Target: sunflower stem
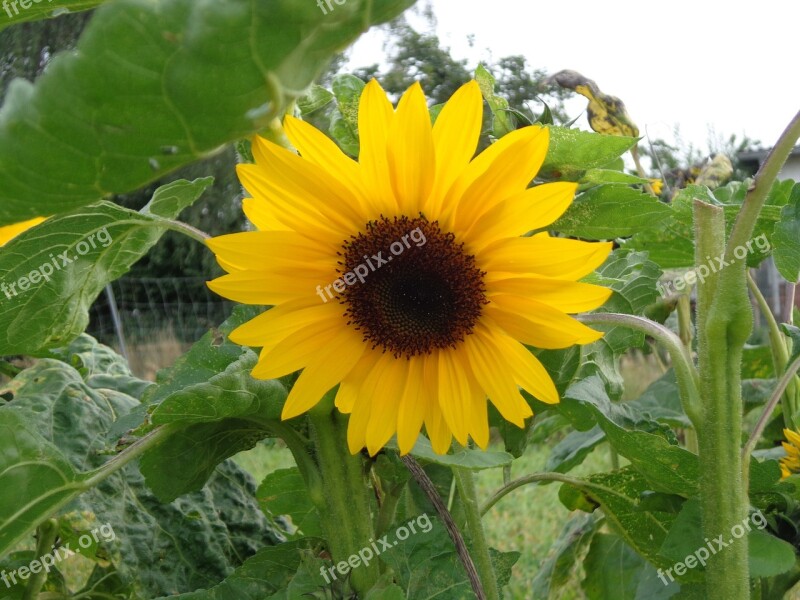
column 346, row 513
column 480, row 549
column 722, row 329
column 685, row 371
column 780, row 354
column 426, row 485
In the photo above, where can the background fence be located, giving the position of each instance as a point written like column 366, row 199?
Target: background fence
column 156, row 318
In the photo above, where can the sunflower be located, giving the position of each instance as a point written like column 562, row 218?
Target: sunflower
column 790, row 464
column 402, row 276
column 9, row 232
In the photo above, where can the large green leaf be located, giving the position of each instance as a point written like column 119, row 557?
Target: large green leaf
column 619, row 494
column 194, row 542
column 156, row 85
column 572, row 152
column 283, row 493
column 786, row 239
column 614, row 570
column 270, row 571
column 565, row 554
column 606, row 212
column 52, row 273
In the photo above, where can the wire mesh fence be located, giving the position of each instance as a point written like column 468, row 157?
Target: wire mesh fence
column 156, row 318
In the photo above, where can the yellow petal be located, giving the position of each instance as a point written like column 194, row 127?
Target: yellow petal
column 495, row 377
column 435, row 425
column 331, row 364
column 259, row 214
column 369, row 388
column 545, row 255
column 318, row 148
column 295, row 213
column 411, row 412
column 544, row 327
column 259, row 250
column 454, row 394
column 9, row 232
column 411, row 156
column 304, row 347
column 302, row 180
column 513, row 166
column 535, row 208
column 280, row 322
column 563, row 295
column 375, row 115
column 383, row 420
column 352, row 386
column 264, row 288
column 455, row 137
column 527, row 371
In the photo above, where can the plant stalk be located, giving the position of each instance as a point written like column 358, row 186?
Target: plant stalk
column 345, row 509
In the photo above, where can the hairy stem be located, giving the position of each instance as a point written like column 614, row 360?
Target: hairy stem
column 345, row 508
column 425, row 483
column 685, row 371
column 466, row 489
column 721, row 332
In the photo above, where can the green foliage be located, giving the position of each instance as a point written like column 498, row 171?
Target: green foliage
column 67, row 260
column 128, row 144
column 56, row 439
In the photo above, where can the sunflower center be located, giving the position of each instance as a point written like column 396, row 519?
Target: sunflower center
column 415, row 288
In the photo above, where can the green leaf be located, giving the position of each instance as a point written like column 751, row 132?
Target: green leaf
column 344, row 122
column 573, row 151
column 170, row 199
column 207, row 358
column 26, row 11
column 502, row 121
column 426, row 563
column 317, row 97
column 661, row 402
column 53, row 272
column 564, row 556
column 154, row 86
column 269, row 571
column 198, row 539
column 619, row 494
column 768, row 555
column 573, row 449
column 599, row 176
column 632, row 276
column 786, row 239
column 794, row 334
column 610, row 211
column 614, row 570
column 284, row 493
column 223, row 416
column 466, row 458
column 35, row 478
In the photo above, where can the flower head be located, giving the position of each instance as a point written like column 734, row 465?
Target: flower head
column 790, row 463
column 402, row 276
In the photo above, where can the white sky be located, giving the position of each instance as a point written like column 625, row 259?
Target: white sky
column 729, row 66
